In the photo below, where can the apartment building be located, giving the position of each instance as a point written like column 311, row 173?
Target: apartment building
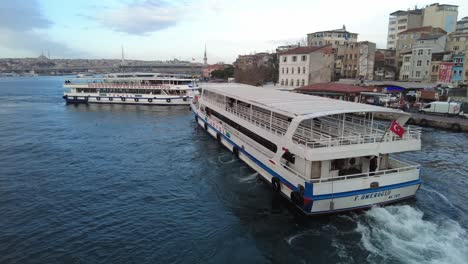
column 400, row 21
column 441, row 15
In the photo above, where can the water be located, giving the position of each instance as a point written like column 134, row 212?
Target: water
column 141, row 184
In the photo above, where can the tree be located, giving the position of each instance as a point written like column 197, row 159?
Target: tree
column 225, row 73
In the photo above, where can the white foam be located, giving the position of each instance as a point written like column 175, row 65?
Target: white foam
column 400, row 233
column 222, row 160
column 249, row 178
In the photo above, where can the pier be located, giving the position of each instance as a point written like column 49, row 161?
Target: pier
column 453, row 123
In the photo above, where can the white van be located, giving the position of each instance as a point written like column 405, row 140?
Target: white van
column 444, row 108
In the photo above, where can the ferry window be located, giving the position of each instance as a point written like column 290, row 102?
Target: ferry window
column 289, row 157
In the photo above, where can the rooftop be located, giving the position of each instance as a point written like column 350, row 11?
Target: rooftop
column 423, row 29
column 292, row 104
column 306, row 50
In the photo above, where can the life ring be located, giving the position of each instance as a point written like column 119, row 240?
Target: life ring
column 150, row 100
column 297, row 198
column 122, row 98
column 136, row 99
column 168, row 100
column 276, row 183
column 110, row 98
column 98, row 98
column 455, row 127
column 185, row 99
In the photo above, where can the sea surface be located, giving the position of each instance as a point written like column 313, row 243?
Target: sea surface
column 144, row 184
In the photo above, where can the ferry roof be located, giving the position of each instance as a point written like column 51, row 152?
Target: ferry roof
column 293, row 104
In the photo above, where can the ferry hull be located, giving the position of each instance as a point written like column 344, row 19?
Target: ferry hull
column 80, row 99
column 320, row 204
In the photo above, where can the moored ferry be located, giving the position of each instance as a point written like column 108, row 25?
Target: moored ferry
column 132, row 88
column 324, row 155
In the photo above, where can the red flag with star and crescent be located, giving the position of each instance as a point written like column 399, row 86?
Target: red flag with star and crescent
column 397, row 129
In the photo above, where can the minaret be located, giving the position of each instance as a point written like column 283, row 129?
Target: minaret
column 123, row 57
column 205, row 59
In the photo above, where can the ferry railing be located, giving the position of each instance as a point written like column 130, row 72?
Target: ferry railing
column 397, row 167
column 412, row 133
column 366, row 174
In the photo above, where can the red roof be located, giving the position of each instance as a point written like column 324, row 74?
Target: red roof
column 335, row 87
column 424, row 29
column 307, row 50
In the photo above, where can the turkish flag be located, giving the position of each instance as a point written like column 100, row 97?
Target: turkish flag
column 397, row 129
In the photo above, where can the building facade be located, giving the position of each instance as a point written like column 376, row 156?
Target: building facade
column 422, row 56
column 385, row 65
column 356, row 60
column 400, row 21
column 462, row 25
column 458, row 68
column 306, row 65
column 441, row 15
column 405, row 69
column 335, row 37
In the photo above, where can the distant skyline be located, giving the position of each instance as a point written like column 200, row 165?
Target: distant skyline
column 164, row 30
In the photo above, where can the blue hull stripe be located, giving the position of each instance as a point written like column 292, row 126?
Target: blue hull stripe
column 313, row 197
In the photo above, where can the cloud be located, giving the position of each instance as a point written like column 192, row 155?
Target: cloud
column 22, row 27
column 141, row 18
column 22, row 15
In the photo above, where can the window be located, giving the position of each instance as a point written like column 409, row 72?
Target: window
column 292, row 82
column 419, row 63
column 427, row 62
column 294, row 58
column 286, row 83
column 298, row 69
column 304, row 58
column 420, row 52
column 285, row 58
column 282, row 82
column 303, row 69
column 401, row 27
column 418, row 74
column 303, row 82
column 407, row 59
column 287, row 70
column 429, row 52
column 282, row 70
column 297, row 82
column 292, row 70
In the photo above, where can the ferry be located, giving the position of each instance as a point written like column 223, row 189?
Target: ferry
column 132, row 88
column 324, row 155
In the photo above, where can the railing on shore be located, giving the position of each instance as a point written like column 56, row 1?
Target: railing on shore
column 129, row 86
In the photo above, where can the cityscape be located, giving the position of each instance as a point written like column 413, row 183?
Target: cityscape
column 215, row 131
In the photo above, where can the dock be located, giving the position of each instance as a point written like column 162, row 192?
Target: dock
column 453, row 123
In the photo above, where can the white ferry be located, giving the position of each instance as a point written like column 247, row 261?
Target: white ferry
column 132, row 88
column 324, row 155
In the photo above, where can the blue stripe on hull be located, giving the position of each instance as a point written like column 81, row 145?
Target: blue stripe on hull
column 318, row 197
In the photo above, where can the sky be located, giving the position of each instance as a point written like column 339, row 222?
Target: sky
column 163, row 30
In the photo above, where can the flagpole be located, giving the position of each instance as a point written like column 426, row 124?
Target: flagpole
column 385, row 133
